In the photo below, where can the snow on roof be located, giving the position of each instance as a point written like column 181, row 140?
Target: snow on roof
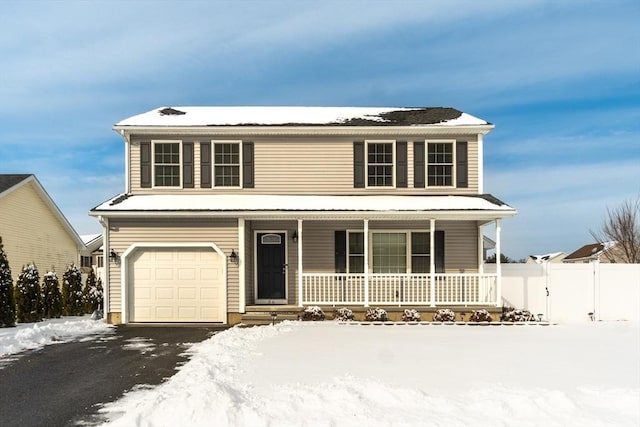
column 87, row 238
column 302, row 116
column 546, row 257
column 253, row 202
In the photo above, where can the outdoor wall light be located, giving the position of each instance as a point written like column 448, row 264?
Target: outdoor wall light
column 234, row 257
column 274, row 316
column 113, row 256
column 294, row 236
column 539, row 317
column 592, row 316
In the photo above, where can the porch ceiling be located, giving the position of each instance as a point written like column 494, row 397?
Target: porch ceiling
column 472, row 207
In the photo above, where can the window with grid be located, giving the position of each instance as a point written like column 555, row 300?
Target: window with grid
column 166, row 161
column 420, row 256
column 356, row 252
column 226, row 158
column 389, row 252
column 440, row 164
column 380, row 164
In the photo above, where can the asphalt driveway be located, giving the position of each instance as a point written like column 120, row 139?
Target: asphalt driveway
column 63, row 385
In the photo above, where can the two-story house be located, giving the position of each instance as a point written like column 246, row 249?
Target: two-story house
column 233, row 209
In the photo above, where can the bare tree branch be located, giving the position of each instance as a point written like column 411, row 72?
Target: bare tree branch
column 622, row 226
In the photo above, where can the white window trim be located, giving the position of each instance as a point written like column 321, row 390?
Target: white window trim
column 153, row 161
column 393, row 162
column 213, row 163
column 426, row 162
column 408, row 248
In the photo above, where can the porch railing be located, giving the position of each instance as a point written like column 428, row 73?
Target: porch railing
column 399, row 289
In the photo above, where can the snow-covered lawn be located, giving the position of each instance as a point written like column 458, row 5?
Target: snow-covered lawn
column 30, row 336
column 329, row 374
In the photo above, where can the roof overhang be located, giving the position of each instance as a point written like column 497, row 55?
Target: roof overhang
column 482, row 208
column 395, row 131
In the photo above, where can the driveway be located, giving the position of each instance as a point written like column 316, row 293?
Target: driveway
column 62, row 385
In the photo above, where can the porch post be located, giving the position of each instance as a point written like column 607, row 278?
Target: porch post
column 432, row 261
column 300, row 287
column 242, row 299
column 498, row 266
column 366, row 263
column 480, row 250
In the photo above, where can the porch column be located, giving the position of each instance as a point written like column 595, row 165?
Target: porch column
column 498, row 266
column 242, row 299
column 432, row 261
column 480, row 250
column 300, row 287
column 366, row 263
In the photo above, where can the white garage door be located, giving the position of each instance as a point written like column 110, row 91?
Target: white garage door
column 176, row 285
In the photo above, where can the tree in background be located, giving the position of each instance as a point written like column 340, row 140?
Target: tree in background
column 622, row 226
column 503, row 259
column 92, row 293
column 51, row 296
column 28, row 295
column 7, row 302
column 72, row 298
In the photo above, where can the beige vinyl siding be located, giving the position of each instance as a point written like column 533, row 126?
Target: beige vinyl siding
column 32, row 232
column 309, row 165
column 124, row 233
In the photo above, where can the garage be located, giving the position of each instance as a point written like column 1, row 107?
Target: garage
column 176, row 285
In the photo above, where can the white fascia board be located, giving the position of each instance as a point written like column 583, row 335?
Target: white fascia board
column 324, row 215
column 417, row 130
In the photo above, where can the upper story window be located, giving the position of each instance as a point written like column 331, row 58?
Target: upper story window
column 226, row 164
column 166, row 164
column 380, row 163
column 440, row 163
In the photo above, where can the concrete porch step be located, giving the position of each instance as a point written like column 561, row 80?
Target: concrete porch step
column 265, row 318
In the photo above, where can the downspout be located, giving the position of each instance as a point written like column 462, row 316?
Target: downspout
column 107, row 265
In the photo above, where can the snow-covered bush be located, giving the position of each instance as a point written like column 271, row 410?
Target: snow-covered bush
column 92, row 293
column 480, row 316
column 343, row 314
column 72, row 298
column 51, row 296
column 313, row 313
column 7, row 301
column 376, row 315
column 514, row 315
column 444, row 315
column 410, row 315
column 28, row 295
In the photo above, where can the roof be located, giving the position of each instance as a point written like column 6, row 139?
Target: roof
column 255, row 205
column 302, row 116
column 590, row 251
column 538, row 259
column 93, row 242
column 9, row 183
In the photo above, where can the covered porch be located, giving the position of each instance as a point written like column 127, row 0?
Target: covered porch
column 408, row 258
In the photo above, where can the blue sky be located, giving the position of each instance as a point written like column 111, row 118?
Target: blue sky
column 560, row 80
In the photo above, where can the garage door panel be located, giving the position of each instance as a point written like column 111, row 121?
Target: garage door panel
column 176, row 284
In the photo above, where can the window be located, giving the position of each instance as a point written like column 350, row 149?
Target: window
column 356, row 252
column 391, row 252
column 100, row 261
column 420, row 256
column 440, row 164
column 85, row 261
column 166, row 164
column 226, row 164
column 380, row 164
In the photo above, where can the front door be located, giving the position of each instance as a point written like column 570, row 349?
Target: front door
column 271, row 268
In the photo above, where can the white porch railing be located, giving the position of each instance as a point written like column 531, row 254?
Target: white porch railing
column 399, row 289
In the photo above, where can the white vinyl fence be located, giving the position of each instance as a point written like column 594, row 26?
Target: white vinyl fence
column 569, row 292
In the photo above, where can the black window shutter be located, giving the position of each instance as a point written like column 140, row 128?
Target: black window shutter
column 341, row 251
column 462, row 164
column 439, row 243
column 358, row 164
column 187, row 165
column 401, row 161
column 205, row 165
column 247, row 165
column 145, row 164
column 418, row 164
